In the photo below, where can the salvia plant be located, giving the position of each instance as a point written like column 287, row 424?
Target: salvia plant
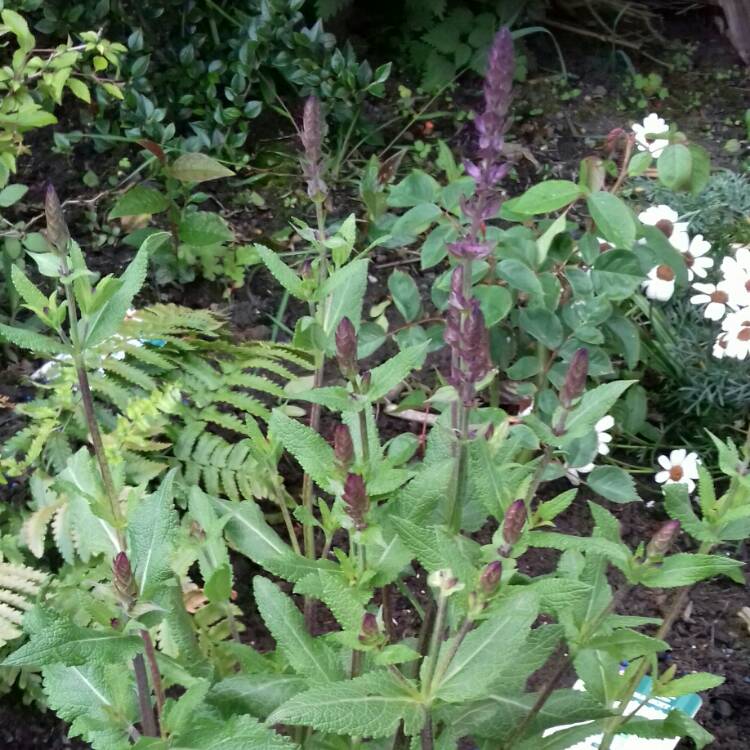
column 434, row 634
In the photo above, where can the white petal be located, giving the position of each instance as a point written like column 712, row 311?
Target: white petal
column 664, row 462
column 661, row 477
column 714, row 311
column 607, row 422
column 690, row 485
column 677, row 456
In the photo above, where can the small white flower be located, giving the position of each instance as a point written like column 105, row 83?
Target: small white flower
column 736, row 271
column 660, row 283
column 716, row 297
column 603, row 439
column 665, row 219
column 736, row 334
column 694, row 251
column 720, row 346
column 646, row 132
column 680, row 467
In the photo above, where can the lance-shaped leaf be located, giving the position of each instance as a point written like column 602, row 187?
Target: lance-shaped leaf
column 238, row 733
column 256, row 694
column 307, row 446
column 105, row 321
column 247, row 531
column 34, row 342
column 152, row 531
column 387, row 376
column 285, row 275
column 307, row 655
column 369, row 706
column 489, row 648
column 57, row 640
column 684, row 569
column 344, row 293
column 593, row 406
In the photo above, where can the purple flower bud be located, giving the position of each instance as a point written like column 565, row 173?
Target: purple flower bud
column 476, row 344
column 514, row 521
column 490, row 578
column 356, row 500
column 122, row 578
column 346, row 347
column 369, row 633
column 57, row 229
column 575, row 378
column 343, row 447
column 662, row 540
column 469, row 249
column 456, row 298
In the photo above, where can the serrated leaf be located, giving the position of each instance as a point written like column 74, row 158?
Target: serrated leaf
column 307, row 655
column 34, row 342
column 691, row 683
column 593, row 406
column 204, row 228
column 478, row 658
column 237, row 733
column 152, row 531
column 197, row 168
column 281, row 271
column 60, row 641
column 256, row 694
column 28, row 292
column 684, row 569
column 387, row 376
column 368, row 706
column 613, row 483
column 314, row 454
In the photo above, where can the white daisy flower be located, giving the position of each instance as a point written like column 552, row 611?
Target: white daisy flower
column 720, row 346
column 680, row 467
column 603, row 439
column 694, row 252
column 736, row 328
column 646, row 132
column 660, row 283
column 665, row 219
column 736, row 271
column 716, row 297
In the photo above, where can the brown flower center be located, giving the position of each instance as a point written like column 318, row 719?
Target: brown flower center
column 676, row 473
column 747, row 285
column 665, row 273
column 744, row 334
column 665, row 226
column 689, row 260
column 720, row 297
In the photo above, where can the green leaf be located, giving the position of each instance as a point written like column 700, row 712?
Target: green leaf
column 281, row 272
column 369, row 706
column 236, row 733
column 139, row 200
column 34, row 342
column 519, row 276
column 639, row 163
column 61, row 641
column 495, row 301
column 701, row 168
column 393, row 371
column 314, row 454
column 256, row 694
column 593, row 406
column 345, row 290
column 478, row 658
column 17, row 25
column 627, row 644
column 218, row 588
column 543, row 325
column 152, row 531
column 674, row 166
column 547, row 196
column 544, row 243
column 308, row 656
column 613, row 483
column 98, row 701
column 678, row 505
column 204, row 228
column 79, row 89
column 415, row 221
column 405, row 295
column 417, row 187
column 198, row 168
column 28, row 292
column 691, row 683
column 685, row 569
column 248, row 532
column 108, row 318
column 435, row 246
column 11, row 194
column 613, row 218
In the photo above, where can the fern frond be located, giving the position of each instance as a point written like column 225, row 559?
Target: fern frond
column 19, row 585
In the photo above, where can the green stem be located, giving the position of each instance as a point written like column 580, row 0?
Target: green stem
column 446, row 660
column 435, row 644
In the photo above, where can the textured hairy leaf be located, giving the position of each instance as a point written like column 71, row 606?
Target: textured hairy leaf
column 387, row 376
column 307, row 655
column 368, row 706
column 256, row 694
column 286, row 276
column 34, row 342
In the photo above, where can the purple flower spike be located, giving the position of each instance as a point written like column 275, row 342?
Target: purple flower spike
column 356, row 501
column 311, row 135
column 662, row 540
column 469, row 249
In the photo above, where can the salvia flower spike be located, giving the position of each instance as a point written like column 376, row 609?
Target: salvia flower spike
column 662, row 540
column 575, row 378
column 343, row 447
column 513, row 523
column 311, row 135
column 356, row 501
column 57, row 228
column 122, row 577
column 346, row 347
column 490, row 577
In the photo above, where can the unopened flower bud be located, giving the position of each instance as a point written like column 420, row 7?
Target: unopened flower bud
column 513, row 523
column 343, row 447
column 575, row 379
column 356, row 500
column 346, row 347
column 122, row 578
column 490, row 578
column 662, row 540
column 57, row 229
column 369, row 633
column 305, row 270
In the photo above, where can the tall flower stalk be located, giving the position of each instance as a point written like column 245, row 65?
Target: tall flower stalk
column 466, row 332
